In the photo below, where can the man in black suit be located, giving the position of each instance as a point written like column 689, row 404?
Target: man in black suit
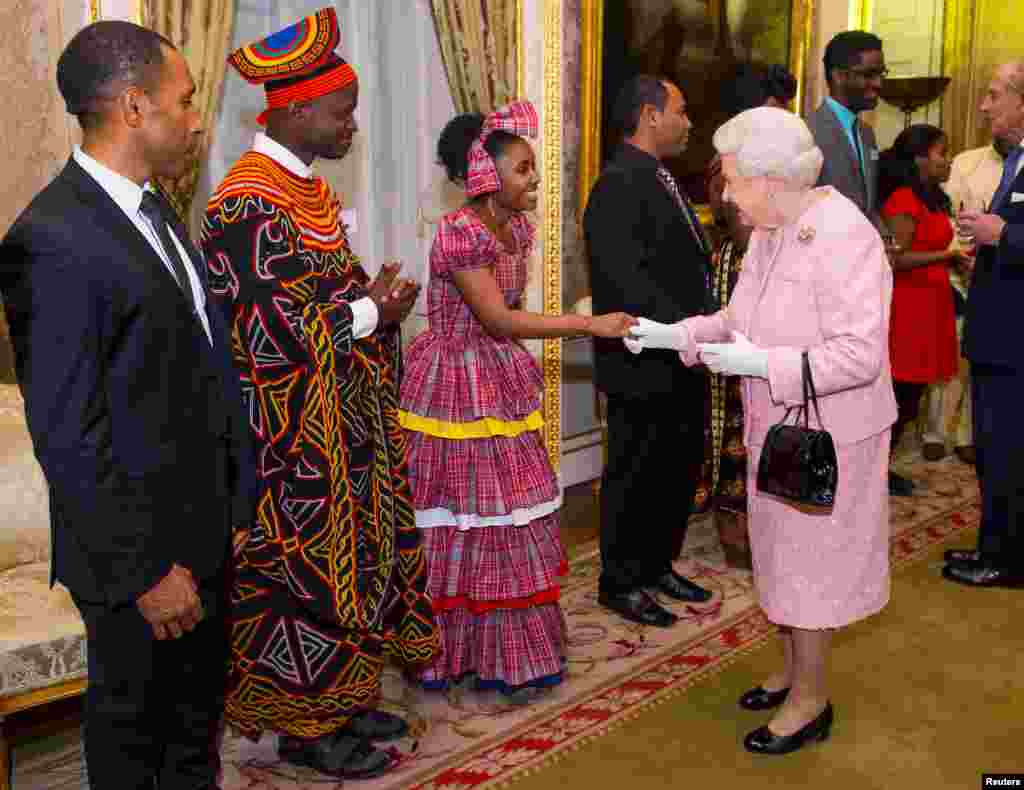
column 995, row 352
column 134, row 411
column 648, row 256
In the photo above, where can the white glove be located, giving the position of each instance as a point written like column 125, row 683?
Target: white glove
column 651, row 334
column 738, row 358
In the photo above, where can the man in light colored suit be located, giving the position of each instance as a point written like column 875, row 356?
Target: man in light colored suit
column 854, row 70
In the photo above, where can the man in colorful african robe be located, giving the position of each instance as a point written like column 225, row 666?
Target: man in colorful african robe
column 330, row 579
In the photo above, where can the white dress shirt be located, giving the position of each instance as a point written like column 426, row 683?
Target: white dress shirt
column 365, row 315
column 128, row 196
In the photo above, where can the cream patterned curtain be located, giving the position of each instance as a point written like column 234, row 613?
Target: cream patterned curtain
column 201, row 29
column 479, row 45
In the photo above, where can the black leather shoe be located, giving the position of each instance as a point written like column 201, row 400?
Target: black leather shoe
column 338, row 754
column 761, row 699
column 639, row 607
column 983, row 576
column 682, row 589
column 377, row 725
column 962, row 556
column 764, row 741
column 899, row 485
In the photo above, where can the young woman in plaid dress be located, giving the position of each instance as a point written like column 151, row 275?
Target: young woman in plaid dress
column 485, row 494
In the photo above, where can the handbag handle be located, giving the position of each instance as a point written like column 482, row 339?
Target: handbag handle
column 808, row 386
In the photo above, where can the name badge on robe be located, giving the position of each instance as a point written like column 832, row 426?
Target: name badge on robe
column 1016, row 197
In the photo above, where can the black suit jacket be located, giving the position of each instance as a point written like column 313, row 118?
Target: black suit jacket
column 132, row 413
column 997, row 291
column 645, row 261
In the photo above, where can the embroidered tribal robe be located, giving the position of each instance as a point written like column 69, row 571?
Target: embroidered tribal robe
column 331, row 577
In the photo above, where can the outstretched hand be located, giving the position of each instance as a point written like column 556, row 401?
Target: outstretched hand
column 653, row 334
column 611, row 325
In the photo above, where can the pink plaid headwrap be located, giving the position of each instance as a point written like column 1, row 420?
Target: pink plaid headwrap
column 518, row 118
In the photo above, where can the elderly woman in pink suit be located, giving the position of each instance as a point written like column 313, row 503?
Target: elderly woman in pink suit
column 815, row 279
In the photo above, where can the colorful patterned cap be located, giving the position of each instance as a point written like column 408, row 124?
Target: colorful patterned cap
column 517, row 118
column 297, row 63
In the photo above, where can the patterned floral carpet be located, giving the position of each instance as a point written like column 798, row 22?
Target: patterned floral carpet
column 467, row 739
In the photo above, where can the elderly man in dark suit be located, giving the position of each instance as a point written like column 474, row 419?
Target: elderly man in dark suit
column 135, row 412
column 995, row 351
column 648, row 256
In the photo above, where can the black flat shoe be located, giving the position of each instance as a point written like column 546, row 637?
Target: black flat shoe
column 983, row 576
column 639, row 607
column 962, row 556
column 338, row 754
column 377, row 725
column 764, row 741
column 682, row 589
column 761, row 699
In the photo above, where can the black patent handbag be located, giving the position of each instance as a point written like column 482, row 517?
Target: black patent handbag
column 799, row 463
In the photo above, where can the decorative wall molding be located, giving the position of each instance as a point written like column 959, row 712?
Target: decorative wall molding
column 552, row 180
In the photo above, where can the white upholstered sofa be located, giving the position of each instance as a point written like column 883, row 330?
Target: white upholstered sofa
column 42, row 638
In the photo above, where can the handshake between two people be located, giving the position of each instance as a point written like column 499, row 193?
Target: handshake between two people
column 739, row 357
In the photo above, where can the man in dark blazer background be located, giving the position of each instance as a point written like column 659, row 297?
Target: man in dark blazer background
column 854, row 70
column 995, row 351
column 648, row 257
column 134, row 410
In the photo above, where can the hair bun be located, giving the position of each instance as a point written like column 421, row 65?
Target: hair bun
column 455, row 141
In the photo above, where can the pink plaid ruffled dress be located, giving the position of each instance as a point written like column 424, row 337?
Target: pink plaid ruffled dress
column 485, row 494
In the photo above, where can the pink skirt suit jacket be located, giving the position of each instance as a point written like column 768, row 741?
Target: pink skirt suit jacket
column 822, row 284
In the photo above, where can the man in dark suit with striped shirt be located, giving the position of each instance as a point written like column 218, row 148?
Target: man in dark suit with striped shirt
column 648, row 257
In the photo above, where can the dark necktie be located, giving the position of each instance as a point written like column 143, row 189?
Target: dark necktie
column 666, row 179
column 153, row 210
column 857, row 147
column 1009, row 176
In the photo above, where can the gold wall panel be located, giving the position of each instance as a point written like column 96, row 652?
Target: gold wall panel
column 552, row 181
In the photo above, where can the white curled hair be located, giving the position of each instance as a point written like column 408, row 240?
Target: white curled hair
column 771, row 142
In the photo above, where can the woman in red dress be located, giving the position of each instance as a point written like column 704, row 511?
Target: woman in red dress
column 922, row 336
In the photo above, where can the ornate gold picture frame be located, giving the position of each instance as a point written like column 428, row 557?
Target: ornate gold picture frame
column 592, row 21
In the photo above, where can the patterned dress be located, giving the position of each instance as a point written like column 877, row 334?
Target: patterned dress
column 724, row 477
column 331, row 577
column 485, row 494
